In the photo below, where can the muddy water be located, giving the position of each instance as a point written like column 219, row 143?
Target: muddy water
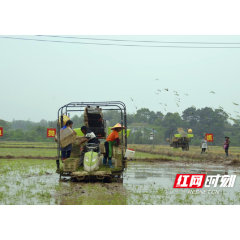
column 143, row 183
column 149, row 178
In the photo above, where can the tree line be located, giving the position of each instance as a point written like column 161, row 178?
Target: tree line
column 201, row 121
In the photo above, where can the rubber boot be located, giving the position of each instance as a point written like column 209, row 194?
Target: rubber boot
column 110, row 163
column 104, row 161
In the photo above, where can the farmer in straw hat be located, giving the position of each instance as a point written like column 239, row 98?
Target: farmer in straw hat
column 113, row 139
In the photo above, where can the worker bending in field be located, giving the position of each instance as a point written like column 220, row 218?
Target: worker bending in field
column 113, row 139
column 90, row 137
column 66, row 151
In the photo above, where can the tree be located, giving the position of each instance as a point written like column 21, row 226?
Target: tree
column 171, row 121
column 143, row 115
column 6, row 125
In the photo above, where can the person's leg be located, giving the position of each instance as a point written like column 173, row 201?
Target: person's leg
column 63, row 155
column 110, row 155
column 204, row 149
column 68, row 154
column 226, row 150
column 106, row 145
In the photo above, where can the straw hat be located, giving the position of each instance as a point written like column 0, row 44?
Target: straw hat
column 118, row 125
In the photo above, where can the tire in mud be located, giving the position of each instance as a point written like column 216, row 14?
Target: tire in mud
column 107, row 180
column 74, row 179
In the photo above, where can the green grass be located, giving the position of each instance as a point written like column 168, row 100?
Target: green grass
column 192, row 149
column 28, row 152
column 165, row 152
column 17, row 143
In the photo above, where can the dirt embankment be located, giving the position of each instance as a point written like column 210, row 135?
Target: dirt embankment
column 186, row 154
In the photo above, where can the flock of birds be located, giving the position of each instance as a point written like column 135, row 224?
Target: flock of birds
column 177, row 101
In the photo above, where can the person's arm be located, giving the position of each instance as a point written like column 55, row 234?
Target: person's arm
column 87, row 138
column 74, row 131
column 83, row 141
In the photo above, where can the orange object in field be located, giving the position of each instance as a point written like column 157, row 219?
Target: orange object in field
column 1, row 131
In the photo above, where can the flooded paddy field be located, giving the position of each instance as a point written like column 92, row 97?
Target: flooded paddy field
column 28, row 176
column 25, row 181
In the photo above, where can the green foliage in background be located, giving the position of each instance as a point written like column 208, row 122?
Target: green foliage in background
column 201, row 121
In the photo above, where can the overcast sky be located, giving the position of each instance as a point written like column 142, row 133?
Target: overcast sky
column 37, row 78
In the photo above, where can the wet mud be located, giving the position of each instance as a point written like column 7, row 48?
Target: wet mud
column 144, row 182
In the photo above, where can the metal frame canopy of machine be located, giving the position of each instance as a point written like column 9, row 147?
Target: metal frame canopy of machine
column 92, row 108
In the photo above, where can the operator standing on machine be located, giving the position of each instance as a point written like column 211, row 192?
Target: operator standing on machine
column 113, row 139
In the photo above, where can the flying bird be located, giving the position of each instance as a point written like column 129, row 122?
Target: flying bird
column 131, row 99
column 165, row 104
column 159, row 90
column 186, row 94
column 235, row 104
column 166, row 89
column 177, row 105
column 212, row 92
column 233, row 119
column 160, row 103
column 156, row 93
column 156, row 79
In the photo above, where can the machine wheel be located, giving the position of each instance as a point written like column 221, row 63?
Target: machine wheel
column 107, row 180
column 73, row 179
